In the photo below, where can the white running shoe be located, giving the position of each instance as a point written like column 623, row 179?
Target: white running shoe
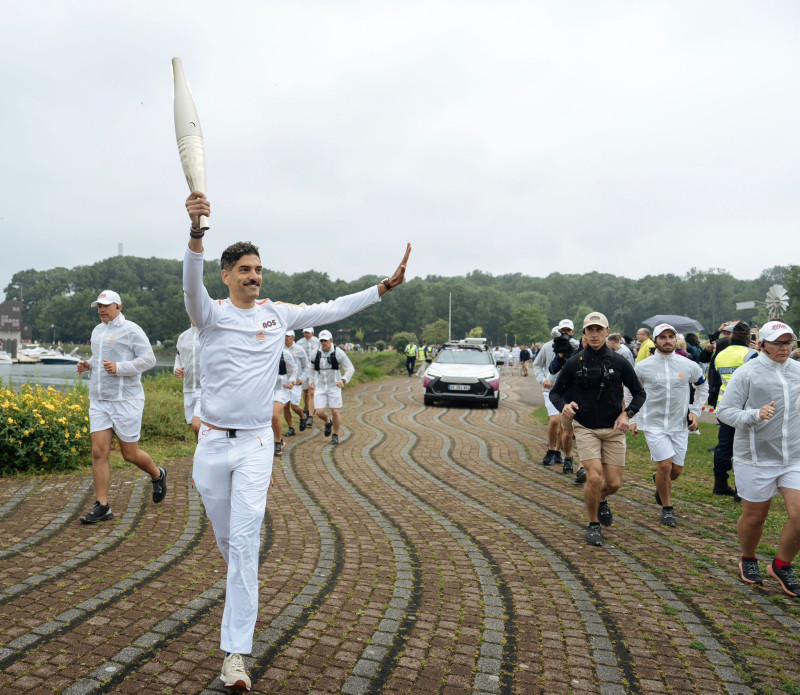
column 233, row 674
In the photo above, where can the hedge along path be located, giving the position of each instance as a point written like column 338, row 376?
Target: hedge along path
column 494, row 659
column 703, row 609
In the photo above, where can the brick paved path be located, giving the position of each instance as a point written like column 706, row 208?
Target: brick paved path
column 425, row 554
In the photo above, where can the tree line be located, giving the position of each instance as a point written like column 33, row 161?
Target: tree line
column 502, row 308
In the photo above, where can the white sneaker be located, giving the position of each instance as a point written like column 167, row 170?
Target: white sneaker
column 233, row 674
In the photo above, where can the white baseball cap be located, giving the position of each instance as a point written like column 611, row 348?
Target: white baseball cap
column 290, row 333
column 107, row 297
column 325, row 335
column 566, row 323
column 772, row 330
column 661, row 327
column 308, row 330
column 555, row 332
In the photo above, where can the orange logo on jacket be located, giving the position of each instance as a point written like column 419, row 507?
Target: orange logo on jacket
column 261, row 336
column 111, row 339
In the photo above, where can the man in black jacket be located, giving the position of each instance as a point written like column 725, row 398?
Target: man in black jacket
column 595, row 377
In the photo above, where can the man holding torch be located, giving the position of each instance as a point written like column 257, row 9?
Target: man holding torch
column 242, row 339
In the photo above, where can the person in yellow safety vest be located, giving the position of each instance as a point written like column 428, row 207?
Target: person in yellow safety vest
column 411, row 357
column 645, row 345
column 726, row 362
column 424, row 356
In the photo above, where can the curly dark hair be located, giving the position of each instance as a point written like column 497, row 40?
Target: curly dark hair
column 235, row 251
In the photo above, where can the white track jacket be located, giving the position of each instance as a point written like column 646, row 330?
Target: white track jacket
column 188, row 357
column 327, row 377
column 125, row 343
column 758, row 382
column 666, row 379
column 240, row 348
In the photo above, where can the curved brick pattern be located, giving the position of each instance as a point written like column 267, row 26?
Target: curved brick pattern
column 428, row 553
column 15, row 498
column 127, row 522
column 69, row 619
column 65, row 516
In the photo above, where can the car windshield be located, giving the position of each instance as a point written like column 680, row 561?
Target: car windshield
column 456, row 356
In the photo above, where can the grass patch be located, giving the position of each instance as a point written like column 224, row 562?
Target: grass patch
column 374, row 366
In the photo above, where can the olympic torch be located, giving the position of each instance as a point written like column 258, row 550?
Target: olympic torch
column 189, row 135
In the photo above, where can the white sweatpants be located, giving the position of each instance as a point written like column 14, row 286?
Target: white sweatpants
column 232, row 477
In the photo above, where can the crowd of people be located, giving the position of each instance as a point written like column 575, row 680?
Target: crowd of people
column 596, row 390
column 599, row 389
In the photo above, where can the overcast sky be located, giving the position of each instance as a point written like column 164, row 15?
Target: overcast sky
column 628, row 137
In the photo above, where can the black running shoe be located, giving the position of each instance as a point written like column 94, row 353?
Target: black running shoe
column 604, row 514
column 558, row 460
column 786, row 578
column 335, row 439
column 549, row 458
column 302, row 424
column 309, row 421
column 290, row 432
column 748, row 569
column 97, row 513
column 567, row 470
column 328, row 428
column 658, row 497
column 594, row 536
column 160, row 486
column 580, row 476
column 278, row 449
column 668, row 517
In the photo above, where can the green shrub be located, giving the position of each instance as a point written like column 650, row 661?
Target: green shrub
column 43, row 429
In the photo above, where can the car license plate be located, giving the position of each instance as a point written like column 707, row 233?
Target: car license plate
column 458, row 387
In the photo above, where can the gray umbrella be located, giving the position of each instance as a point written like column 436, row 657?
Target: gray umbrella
column 682, row 324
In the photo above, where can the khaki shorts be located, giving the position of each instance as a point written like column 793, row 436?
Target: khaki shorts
column 606, row 444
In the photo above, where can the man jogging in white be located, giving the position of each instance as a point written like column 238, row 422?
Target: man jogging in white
column 541, row 370
column 121, row 352
column 310, row 344
column 666, row 378
column 761, row 403
column 300, row 385
column 241, row 341
column 187, row 367
column 284, row 385
column 329, row 382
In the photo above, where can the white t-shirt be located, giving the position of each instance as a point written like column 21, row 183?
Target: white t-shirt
column 240, row 349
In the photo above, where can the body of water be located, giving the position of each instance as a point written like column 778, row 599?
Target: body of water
column 56, row 375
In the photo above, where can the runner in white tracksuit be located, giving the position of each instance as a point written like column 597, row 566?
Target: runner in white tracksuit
column 301, row 384
column 310, row 344
column 187, row 367
column 541, row 370
column 284, row 385
column 241, row 341
column 663, row 418
column 328, row 382
column 121, row 352
column 761, row 402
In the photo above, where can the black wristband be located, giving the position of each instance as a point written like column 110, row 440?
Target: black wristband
column 196, row 233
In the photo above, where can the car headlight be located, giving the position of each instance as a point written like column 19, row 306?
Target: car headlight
column 433, row 373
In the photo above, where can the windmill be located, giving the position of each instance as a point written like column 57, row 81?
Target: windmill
column 776, row 301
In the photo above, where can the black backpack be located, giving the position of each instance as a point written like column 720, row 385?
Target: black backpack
column 334, row 362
